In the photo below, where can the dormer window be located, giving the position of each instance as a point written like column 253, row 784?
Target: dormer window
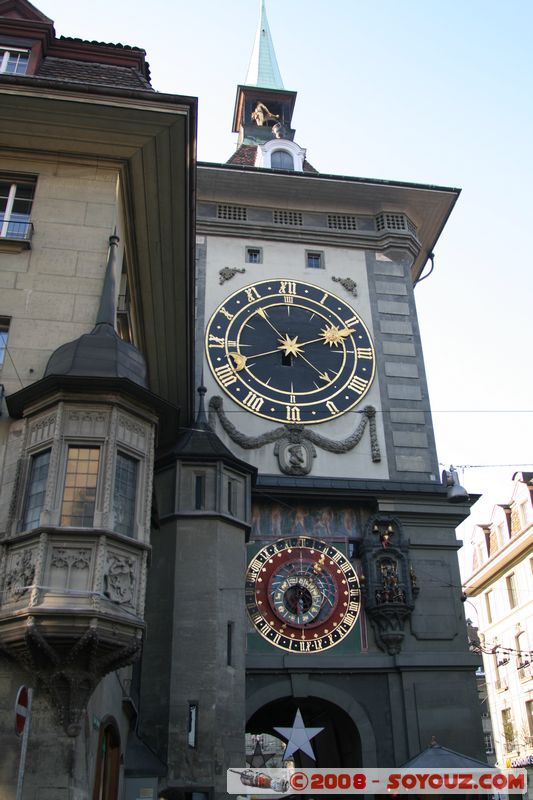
column 281, row 159
column 280, row 154
column 14, row 61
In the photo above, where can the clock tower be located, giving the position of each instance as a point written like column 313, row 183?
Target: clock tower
column 308, row 344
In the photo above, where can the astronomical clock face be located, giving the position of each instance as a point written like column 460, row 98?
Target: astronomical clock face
column 302, row 594
column 290, row 351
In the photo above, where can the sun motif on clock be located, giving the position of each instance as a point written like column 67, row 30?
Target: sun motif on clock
column 290, row 351
column 302, row 594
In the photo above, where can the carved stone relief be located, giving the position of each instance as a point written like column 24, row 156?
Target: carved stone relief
column 70, row 568
column 347, row 283
column 227, row 273
column 20, row 574
column 86, row 423
column 388, row 582
column 295, row 448
column 131, row 432
column 120, row 578
column 42, row 429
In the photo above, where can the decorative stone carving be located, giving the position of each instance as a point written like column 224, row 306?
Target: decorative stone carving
column 70, row 671
column 227, row 273
column 119, row 579
column 347, row 283
column 300, row 438
column 388, row 584
column 131, row 432
column 42, row 429
column 86, row 423
column 295, row 456
column 70, row 559
column 64, row 631
column 21, row 574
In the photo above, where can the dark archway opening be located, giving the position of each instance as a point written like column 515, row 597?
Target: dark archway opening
column 338, row 745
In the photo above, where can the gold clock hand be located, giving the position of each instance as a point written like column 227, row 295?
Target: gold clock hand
column 262, row 313
column 241, row 360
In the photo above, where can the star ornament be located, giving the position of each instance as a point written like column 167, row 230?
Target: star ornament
column 298, row 737
column 290, row 346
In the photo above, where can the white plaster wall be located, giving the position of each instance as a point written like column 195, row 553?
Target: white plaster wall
column 287, row 260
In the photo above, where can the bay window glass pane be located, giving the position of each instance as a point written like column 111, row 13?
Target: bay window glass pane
column 36, row 489
column 125, row 494
column 79, row 496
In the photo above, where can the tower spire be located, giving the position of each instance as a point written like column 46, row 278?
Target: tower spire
column 263, row 70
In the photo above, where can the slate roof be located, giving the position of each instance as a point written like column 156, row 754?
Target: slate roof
column 244, row 156
column 440, row 757
column 63, row 69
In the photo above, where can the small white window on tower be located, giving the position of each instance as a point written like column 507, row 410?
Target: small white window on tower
column 254, row 255
column 281, row 159
column 314, row 259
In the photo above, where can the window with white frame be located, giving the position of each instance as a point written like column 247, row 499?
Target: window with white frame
column 510, row 582
column 4, row 333
column 16, row 198
column 14, row 60
column 314, row 259
column 488, row 606
column 489, row 747
column 254, row 255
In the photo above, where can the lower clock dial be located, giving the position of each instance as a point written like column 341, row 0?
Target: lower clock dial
column 302, row 594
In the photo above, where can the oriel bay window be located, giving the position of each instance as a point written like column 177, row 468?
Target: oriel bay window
column 79, row 495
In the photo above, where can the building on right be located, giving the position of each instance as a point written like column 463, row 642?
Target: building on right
column 501, row 581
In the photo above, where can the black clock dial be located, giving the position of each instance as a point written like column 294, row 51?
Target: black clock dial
column 302, row 594
column 290, row 351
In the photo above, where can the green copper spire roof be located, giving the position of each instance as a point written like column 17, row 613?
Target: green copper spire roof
column 263, row 70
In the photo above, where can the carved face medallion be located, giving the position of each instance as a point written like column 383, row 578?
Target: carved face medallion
column 291, row 352
column 302, row 594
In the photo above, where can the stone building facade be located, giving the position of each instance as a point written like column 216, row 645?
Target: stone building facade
column 500, row 582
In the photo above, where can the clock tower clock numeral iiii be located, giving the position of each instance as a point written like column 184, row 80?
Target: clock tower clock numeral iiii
column 290, row 351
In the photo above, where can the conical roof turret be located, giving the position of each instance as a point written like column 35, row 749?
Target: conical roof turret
column 263, row 70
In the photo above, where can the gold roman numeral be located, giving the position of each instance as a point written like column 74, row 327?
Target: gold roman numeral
column 332, row 408
column 365, row 352
column 352, row 321
column 225, row 375
column 288, row 298
column 287, row 287
column 215, row 341
column 325, row 297
column 293, row 414
column 253, row 401
column 226, row 313
column 252, row 294
column 358, row 385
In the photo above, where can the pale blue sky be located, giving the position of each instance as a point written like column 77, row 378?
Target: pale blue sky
column 437, row 92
